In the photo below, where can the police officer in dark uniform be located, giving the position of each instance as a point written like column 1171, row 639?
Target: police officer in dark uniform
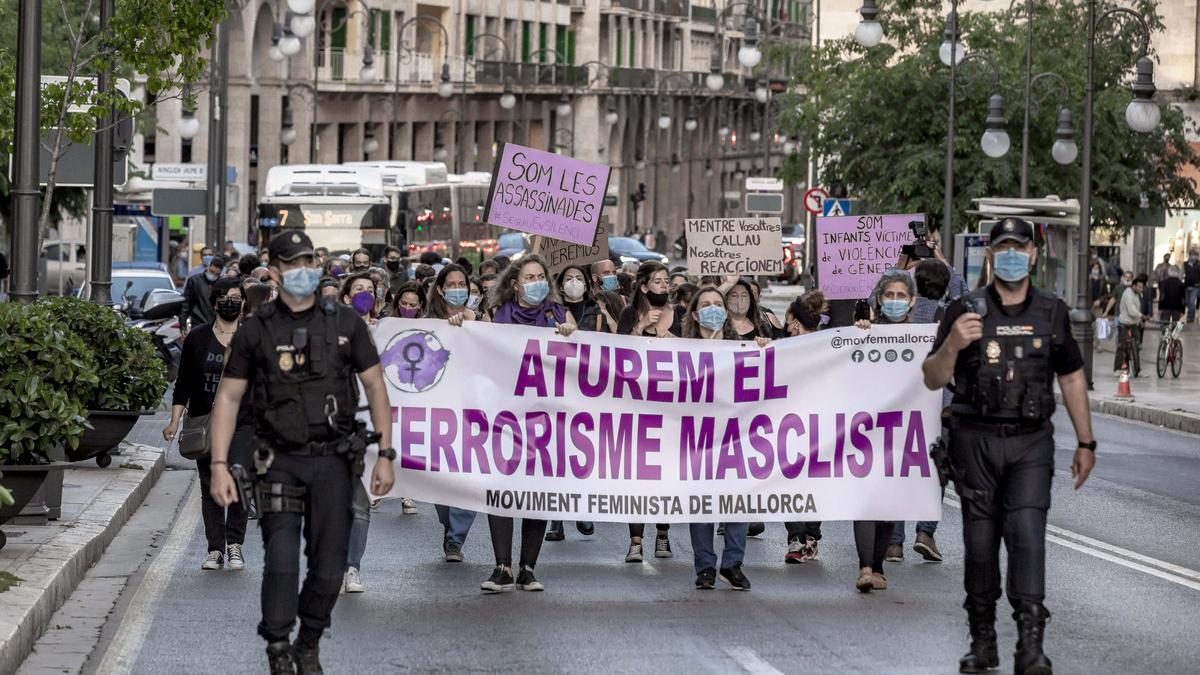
column 299, row 358
column 999, row 349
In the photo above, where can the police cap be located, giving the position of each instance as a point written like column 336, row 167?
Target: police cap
column 289, row 245
column 1011, row 228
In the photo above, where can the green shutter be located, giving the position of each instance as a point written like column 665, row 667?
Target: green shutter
column 632, row 49
column 525, row 29
column 338, row 39
column 620, row 48
column 470, row 36
column 543, row 32
column 385, row 29
column 571, row 47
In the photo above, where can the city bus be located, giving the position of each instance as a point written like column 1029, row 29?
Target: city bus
column 342, row 208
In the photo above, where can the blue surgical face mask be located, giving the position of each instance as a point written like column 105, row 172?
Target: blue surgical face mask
column 207, row 260
column 473, row 302
column 210, row 276
column 457, row 297
column 712, row 317
column 895, row 310
column 536, row 291
column 1012, row 265
column 609, row 283
column 301, row 281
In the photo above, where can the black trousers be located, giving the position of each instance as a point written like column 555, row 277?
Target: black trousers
column 1014, row 474
column 222, row 525
column 532, row 533
column 639, row 529
column 800, row 530
column 326, row 529
column 871, row 538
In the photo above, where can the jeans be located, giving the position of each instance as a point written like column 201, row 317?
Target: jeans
column 456, row 521
column 326, row 530
column 361, row 508
column 706, row 555
column 929, row 527
column 1193, row 294
column 222, row 525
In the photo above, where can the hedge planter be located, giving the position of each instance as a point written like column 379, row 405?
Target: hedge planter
column 23, row 482
column 108, row 429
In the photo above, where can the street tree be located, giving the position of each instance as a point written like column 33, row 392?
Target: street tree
column 877, row 118
column 159, row 43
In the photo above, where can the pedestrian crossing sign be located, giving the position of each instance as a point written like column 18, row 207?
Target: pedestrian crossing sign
column 836, row 207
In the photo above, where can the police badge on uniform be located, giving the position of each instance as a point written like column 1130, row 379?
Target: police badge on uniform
column 992, row 351
column 286, row 362
column 1037, row 343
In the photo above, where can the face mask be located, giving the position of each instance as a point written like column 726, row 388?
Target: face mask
column 824, row 320
column 739, row 306
column 457, row 297
column 656, row 299
column 1126, row 282
column 210, row 276
column 609, row 283
column 359, row 267
column 1012, row 265
column 712, row 317
column 574, row 288
column 1096, row 274
column 379, row 294
column 895, row 310
column 392, row 265
column 473, row 302
column 536, row 291
column 336, row 271
column 228, row 308
column 207, row 260
column 302, row 281
column 363, row 302
column 408, row 312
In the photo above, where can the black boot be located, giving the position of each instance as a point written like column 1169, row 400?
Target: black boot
column 308, row 657
column 983, row 655
column 279, row 656
column 555, row 533
column 1031, row 626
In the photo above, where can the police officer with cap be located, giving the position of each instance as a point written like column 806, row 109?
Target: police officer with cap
column 999, row 349
column 299, row 356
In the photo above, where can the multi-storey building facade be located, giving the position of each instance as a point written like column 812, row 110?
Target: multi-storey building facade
column 621, row 82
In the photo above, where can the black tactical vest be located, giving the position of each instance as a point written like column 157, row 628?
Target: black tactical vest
column 302, row 383
column 1007, row 374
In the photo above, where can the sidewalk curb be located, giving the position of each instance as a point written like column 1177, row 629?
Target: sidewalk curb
column 53, row 573
column 1169, row 419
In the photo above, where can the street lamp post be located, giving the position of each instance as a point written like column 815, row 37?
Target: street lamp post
column 316, row 72
column 664, row 124
column 25, row 192
column 214, row 216
column 1142, row 115
column 100, row 242
column 445, row 86
column 1064, row 151
column 463, row 101
column 563, row 107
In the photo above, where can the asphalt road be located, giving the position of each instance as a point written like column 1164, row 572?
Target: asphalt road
column 1122, row 580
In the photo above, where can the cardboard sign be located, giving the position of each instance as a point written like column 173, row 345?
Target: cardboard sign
column 723, row 246
column 853, row 251
column 543, row 193
column 560, row 254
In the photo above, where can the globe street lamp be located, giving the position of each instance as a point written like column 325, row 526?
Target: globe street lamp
column 749, row 54
column 302, row 25
column 715, row 81
column 1142, row 115
column 564, row 105
column 289, row 44
column 188, row 125
column 868, row 32
column 368, row 73
column 370, row 144
column 611, row 115
column 1064, row 149
column 507, row 99
column 287, row 134
column 761, row 93
column 445, row 86
column 952, row 48
column 301, row 6
column 995, row 141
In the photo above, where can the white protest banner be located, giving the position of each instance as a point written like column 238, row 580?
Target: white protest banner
column 559, row 254
column 721, row 246
column 518, row 421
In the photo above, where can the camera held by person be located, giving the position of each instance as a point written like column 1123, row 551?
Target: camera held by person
column 920, row 248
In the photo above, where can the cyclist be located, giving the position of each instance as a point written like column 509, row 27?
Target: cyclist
column 1129, row 323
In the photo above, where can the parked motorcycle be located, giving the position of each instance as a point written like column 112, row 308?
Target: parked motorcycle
column 158, row 315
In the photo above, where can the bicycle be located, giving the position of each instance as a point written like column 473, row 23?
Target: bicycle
column 1170, row 348
column 1129, row 345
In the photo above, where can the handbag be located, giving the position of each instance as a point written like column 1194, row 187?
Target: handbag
column 1103, row 329
column 194, row 439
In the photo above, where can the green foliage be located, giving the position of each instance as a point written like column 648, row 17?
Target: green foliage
column 130, row 374
column 877, row 118
column 45, row 368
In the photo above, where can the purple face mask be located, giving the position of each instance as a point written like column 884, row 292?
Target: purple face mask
column 336, row 271
column 363, row 302
column 824, row 320
column 408, row 312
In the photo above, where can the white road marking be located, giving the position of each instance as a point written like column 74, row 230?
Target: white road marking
column 1115, row 554
column 751, row 662
column 131, row 634
column 648, row 570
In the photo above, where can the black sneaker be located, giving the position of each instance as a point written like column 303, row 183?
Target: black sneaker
column 635, row 553
column 756, row 529
column 280, row 658
column 500, row 581
column 555, row 533
column 706, row 579
column 585, row 527
column 662, row 546
column 527, row 582
column 452, row 551
column 308, row 658
column 734, row 577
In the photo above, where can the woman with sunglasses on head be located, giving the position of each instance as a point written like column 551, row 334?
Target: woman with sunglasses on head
column 650, row 315
column 523, row 296
column 707, row 319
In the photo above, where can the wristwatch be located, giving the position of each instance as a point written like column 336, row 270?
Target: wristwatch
column 389, row 453
column 1091, row 445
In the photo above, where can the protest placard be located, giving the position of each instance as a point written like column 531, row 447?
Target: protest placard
column 559, row 254
column 543, row 193
column 853, row 251
column 519, row 421
column 723, row 246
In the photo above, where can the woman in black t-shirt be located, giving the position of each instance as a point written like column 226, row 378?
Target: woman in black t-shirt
column 200, row 368
column 649, row 315
column 744, row 313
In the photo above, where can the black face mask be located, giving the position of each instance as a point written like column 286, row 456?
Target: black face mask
column 656, row 299
column 229, row 309
column 392, row 265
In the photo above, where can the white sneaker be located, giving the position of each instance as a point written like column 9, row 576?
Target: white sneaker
column 352, row 583
column 410, row 507
column 214, row 561
column 234, row 557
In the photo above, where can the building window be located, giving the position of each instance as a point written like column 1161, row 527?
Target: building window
column 632, row 48
column 150, row 134
column 254, row 130
column 543, row 33
column 470, row 28
column 185, row 151
column 526, row 29
column 620, row 48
